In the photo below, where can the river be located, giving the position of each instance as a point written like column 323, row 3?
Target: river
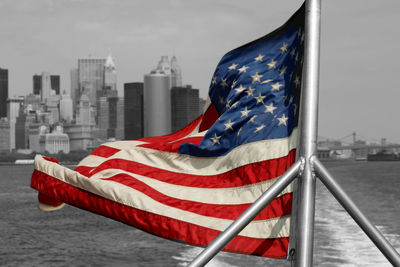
column 73, row 237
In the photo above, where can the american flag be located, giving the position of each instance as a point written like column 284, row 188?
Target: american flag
column 192, row 184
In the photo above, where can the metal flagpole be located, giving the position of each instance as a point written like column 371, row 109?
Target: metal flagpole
column 247, row 216
column 308, row 135
column 369, row 229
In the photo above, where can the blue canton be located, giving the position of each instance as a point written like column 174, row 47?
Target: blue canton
column 256, row 91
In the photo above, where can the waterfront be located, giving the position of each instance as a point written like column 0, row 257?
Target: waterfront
column 72, row 237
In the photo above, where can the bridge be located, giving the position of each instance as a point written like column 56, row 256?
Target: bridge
column 358, row 148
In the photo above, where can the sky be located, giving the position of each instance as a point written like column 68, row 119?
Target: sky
column 360, row 40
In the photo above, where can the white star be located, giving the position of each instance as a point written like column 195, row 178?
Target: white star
column 214, row 80
column 296, row 81
column 259, row 58
column 223, row 83
column 259, row 128
column 215, row 139
column 284, row 47
column 282, row 120
column 270, row 108
column 256, row 77
column 295, row 109
column 291, row 99
column 266, row 81
column 221, row 100
column 233, row 84
column 282, row 70
column 250, row 92
column 228, row 104
column 253, row 118
column 239, row 131
column 240, row 89
column 245, row 112
column 293, row 52
column 272, row 64
column 228, row 125
column 235, row 104
column 276, row 86
column 243, row 69
column 232, row 67
column 260, row 98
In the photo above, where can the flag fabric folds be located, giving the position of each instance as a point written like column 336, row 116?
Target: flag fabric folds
column 190, row 185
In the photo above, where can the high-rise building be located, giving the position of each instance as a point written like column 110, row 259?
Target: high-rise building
column 66, row 108
column 13, row 106
column 176, row 74
column 110, row 74
column 4, row 135
column 51, row 83
column 184, row 106
column 21, row 131
column 85, row 113
column 110, row 117
column 74, row 88
column 91, row 77
column 3, row 92
column 54, row 142
column 133, row 110
column 157, row 103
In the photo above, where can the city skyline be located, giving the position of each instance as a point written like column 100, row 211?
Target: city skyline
column 358, row 58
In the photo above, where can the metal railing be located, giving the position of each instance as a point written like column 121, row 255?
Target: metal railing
column 306, row 168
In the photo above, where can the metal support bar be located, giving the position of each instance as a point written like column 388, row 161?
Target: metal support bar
column 372, row 232
column 247, row 216
column 308, row 135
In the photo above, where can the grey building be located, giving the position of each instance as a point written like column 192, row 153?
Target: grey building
column 157, row 103
column 184, row 106
column 133, row 110
column 3, row 92
column 54, row 84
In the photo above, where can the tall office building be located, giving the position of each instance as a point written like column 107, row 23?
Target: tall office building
column 157, row 103
column 176, row 74
column 13, row 106
column 3, row 92
column 52, row 82
column 110, row 117
column 184, row 106
column 91, row 77
column 74, row 75
column 4, row 135
column 133, row 110
column 110, row 74
column 66, row 108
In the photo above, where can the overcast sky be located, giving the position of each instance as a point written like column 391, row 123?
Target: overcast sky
column 360, row 58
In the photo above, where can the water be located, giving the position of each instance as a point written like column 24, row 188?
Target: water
column 73, row 237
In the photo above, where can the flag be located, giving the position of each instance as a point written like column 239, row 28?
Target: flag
column 190, row 185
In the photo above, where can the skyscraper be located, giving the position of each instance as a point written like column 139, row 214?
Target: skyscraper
column 53, row 85
column 110, row 74
column 184, row 106
column 157, row 103
column 176, row 74
column 13, row 106
column 66, row 108
column 91, row 77
column 133, row 110
column 3, row 92
column 74, row 88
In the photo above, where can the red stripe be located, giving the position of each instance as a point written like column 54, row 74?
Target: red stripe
column 104, row 151
column 210, row 116
column 173, row 146
column 278, row 207
column 244, row 175
column 153, row 223
column 173, row 136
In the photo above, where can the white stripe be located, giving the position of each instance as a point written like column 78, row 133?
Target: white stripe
column 239, row 156
column 234, row 196
column 271, row 228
